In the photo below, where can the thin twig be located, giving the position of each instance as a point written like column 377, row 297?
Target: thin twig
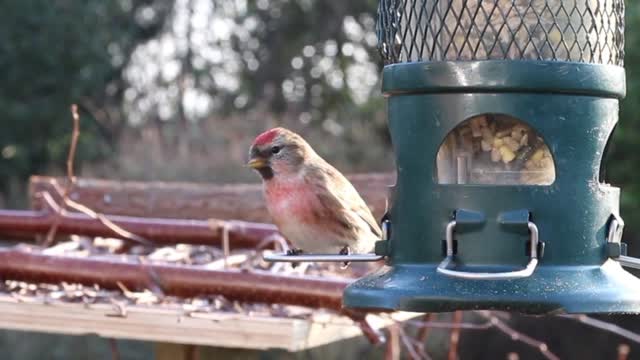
column 71, row 179
column 374, row 336
column 237, row 260
column 518, row 336
column 606, row 326
column 155, row 282
column 273, row 239
column 408, row 344
column 392, row 351
column 74, row 144
column 419, row 347
column 279, row 244
column 225, row 244
column 623, row 351
column 513, row 356
column 454, row 338
column 126, row 235
column 423, row 332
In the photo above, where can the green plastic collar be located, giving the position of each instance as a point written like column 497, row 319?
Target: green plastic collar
column 505, row 76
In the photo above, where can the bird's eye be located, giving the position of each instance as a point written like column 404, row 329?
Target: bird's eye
column 275, row 149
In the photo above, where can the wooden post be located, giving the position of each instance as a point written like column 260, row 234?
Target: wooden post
column 186, row 200
column 170, row 351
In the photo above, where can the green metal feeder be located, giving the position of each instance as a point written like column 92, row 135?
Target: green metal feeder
column 500, row 113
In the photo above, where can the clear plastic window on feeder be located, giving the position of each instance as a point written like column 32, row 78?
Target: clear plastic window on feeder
column 494, row 149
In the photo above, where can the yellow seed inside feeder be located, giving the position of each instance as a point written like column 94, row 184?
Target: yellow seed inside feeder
column 495, row 149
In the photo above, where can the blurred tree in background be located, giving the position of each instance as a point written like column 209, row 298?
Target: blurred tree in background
column 53, row 53
column 176, row 89
column 221, row 72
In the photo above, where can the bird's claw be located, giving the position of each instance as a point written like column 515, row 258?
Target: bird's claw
column 345, row 251
column 294, row 251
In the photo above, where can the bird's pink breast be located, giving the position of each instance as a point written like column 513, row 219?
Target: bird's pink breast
column 290, row 200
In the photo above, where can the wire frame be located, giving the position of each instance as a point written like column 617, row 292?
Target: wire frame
column 587, row 31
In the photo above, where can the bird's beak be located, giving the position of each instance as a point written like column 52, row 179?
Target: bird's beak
column 257, row 163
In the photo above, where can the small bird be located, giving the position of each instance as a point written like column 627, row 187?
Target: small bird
column 313, row 205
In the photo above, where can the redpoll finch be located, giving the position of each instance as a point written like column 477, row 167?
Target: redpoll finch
column 314, row 206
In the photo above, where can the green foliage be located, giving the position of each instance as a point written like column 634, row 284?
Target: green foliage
column 54, row 53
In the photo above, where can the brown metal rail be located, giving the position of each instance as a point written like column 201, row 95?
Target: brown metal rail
column 25, row 223
column 187, row 281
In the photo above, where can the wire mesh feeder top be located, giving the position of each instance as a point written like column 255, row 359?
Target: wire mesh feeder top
column 588, row 31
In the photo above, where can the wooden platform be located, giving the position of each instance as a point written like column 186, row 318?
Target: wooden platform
column 167, row 325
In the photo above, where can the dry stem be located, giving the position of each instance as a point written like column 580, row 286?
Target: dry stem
column 603, row 325
column 71, row 179
column 392, row 351
column 455, row 336
column 60, row 211
column 518, row 336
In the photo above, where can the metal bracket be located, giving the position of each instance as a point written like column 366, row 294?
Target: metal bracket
column 284, row 257
column 614, row 237
column 443, row 268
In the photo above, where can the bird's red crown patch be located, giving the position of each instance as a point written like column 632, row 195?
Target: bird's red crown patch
column 266, row 137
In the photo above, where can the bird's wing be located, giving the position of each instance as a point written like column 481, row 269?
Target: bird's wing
column 337, row 194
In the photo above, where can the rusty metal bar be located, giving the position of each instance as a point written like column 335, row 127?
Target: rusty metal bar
column 187, row 281
column 160, row 231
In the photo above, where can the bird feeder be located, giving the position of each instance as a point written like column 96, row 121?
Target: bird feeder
column 500, row 113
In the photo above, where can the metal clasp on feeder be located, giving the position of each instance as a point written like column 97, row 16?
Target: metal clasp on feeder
column 443, row 268
column 284, row 257
column 616, row 248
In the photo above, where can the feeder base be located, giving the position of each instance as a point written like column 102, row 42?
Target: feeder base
column 551, row 289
